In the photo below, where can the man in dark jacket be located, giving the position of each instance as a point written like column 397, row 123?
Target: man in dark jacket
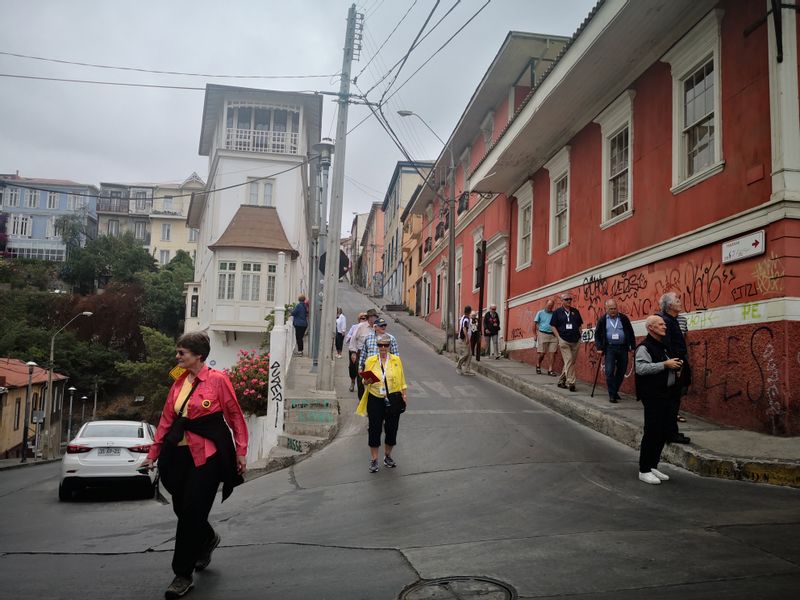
column 300, row 322
column 656, row 380
column 491, row 329
column 566, row 324
column 671, row 307
column 614, row 338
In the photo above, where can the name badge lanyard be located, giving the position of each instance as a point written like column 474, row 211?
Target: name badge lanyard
column 613, row 324
column 568, row 314
column 383, row 372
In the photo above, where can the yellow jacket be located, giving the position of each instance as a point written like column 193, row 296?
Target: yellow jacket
column 395, row 379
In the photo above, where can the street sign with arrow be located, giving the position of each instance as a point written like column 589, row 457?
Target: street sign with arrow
column 746, row 246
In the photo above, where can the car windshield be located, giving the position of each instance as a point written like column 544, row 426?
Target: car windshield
column 121, row 430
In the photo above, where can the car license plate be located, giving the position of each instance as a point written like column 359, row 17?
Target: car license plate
column 108, row 452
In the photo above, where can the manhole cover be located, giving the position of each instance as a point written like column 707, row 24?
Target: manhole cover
column 459, row 588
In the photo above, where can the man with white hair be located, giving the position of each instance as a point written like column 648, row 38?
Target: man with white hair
column 614, row 338
column 656, row 380
column 566, row 324
column 491, row 329
column 671, row 307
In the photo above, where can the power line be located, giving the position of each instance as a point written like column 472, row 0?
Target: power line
column 13, row 183
column 142, row 70
column 422, row 39
column 450, row 39
column 391, row 33
column 410, row 50
column 143, row 85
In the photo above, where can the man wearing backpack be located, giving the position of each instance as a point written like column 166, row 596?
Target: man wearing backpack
column 463, row 334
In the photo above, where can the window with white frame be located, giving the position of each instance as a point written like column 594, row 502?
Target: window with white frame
column 696, row 115
column 50, row 232
column 438, row 291
column 12, row 197
column 251, row 281
column 163, row 257
column 167, row 200
column 166, row 231
column 193, row 233
column 21, row 225
column 139, row 230
column 113, row 227
column 52, row 200
column 32, row 199
column 558, row 168
column 524, row 196
column 140, row 198
column 616, row 126
column 260, row 191
column 226, row 280
column 72, row 202
column 272, row 272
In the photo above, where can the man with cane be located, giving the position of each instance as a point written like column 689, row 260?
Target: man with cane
column 614, row 339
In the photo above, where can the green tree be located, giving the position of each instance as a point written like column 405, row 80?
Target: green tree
column 164, row 304
column 114, row 258
column 150, row 376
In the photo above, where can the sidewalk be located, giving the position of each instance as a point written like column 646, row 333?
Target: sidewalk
column 715, row 451
column 13, row 463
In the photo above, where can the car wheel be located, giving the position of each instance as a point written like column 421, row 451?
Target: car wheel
column 64, row 491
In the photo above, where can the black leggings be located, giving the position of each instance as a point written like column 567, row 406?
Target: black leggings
column 339, row 342
column 299, row 332
column 379, row 419
column 352, row 368
column 192, row 497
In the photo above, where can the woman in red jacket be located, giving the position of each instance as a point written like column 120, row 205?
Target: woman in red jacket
column 195, row 453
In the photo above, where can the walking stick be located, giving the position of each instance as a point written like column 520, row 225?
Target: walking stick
column 596, row 375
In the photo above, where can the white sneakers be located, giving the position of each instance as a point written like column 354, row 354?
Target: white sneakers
column 660, row 475
column 654, row 477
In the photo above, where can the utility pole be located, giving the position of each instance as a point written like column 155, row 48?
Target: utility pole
column 325, row 150
column 352, row 45
column 94, row 408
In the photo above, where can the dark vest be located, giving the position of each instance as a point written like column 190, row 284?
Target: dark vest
column 653, row 387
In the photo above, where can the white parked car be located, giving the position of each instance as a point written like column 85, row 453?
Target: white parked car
column 107, row 453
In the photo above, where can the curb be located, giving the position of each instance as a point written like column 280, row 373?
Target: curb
column 691, row 458
column 21, row 465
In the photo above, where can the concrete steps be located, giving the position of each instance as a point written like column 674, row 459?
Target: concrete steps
column 301, row 443
column 311, row 417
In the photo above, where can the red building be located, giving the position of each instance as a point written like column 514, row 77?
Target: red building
column 661, row 152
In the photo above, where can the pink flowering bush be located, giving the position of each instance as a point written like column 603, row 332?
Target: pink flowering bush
column 250, row 379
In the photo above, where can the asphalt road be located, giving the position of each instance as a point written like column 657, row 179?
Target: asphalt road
column 489, row 484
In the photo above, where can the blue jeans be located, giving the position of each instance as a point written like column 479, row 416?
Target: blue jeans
column 616, row 365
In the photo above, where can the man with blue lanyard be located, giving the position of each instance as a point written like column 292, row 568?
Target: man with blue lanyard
column 614, row 338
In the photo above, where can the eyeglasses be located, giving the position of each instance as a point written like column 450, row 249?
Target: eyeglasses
column 383, row 345
column 182, row 352
column 384, row 325
column 362, row 318
column 567, row 299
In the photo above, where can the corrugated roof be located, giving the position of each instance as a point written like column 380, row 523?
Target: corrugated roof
column 16, row 373
column 257, row 227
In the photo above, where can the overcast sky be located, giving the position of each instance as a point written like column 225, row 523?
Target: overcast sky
column 93, row 133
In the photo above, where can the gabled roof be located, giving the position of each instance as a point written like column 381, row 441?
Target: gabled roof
column 415, row 166
column 13, row 178
column 16, row 373
column 255, row 227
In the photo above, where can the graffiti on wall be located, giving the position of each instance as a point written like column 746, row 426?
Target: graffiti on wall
column 768, row 274
column 276, row 386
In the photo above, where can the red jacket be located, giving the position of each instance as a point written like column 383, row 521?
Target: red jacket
column 214, row 393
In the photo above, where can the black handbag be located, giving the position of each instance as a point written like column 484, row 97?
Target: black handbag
column 397, row 405
column 178, row 427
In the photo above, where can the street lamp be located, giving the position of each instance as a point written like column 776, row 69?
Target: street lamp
column 83, row 409
column 49, row 398
column 325, row 150
column 71, row 389
column 451, row 236
column 31, row 366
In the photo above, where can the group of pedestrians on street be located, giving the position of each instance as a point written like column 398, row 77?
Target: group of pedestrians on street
column 662, row 370
column 376, row 370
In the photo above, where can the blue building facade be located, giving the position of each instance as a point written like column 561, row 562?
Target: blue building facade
column 32, row 209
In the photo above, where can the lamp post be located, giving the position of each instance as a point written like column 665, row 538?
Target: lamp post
column 49, row 398
column 71, row 389
column 451, row 236
column 31, row 366
column 325, row 150
column 83, row 409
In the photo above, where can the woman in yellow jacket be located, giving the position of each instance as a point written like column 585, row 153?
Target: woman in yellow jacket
column 381, row 402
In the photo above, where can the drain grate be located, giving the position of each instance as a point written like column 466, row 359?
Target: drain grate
column 459, row 588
